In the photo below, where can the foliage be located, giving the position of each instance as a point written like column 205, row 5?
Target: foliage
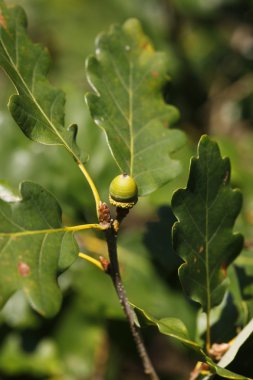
column 31, row 261
column 128, row 76
column 206, row 211
column 175, row 329
column 207, row 51
column 38, row 108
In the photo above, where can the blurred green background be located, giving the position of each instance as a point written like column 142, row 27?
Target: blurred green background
column 210, row 45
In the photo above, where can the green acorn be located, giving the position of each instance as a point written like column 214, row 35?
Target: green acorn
column 123, row 191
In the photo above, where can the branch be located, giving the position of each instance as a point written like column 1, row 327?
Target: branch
column 114, row 272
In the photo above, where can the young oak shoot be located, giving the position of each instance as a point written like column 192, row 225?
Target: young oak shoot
column 38, row 109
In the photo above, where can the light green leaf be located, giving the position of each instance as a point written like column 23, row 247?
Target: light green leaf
column 37, row 108
column 172, row 327
column 31, row 252
column 127, row 76
column 237, row 343
column 7, row 193
column 206, row 211
column 175, row 329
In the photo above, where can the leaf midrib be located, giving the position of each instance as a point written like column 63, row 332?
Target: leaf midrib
column 130, row 116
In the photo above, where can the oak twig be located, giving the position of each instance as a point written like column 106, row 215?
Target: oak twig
column 114, row 272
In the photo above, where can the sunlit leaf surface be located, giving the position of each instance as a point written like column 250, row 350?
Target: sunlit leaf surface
column 38, row 107
column 31, row 253
column 128, row 76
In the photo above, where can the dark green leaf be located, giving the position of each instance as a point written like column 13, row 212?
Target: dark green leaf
column 128, row 76
column 203, row 236
column 30, row 254
column 38, row 108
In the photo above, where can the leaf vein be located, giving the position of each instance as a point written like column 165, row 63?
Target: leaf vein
column 11, row 221
column 115, row 101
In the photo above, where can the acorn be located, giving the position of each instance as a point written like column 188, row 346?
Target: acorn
column 123, row 191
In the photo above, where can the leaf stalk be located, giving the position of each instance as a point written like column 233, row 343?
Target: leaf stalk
column 91, row 260
column 53, row 230
column 91, row 184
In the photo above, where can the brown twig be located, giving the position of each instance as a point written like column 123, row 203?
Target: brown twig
column 112, row 269
column 114, row 272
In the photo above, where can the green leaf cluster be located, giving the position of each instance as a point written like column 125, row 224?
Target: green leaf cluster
column 130, row 84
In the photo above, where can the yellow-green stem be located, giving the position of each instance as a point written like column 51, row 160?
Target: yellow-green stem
column 54, row 230
column 91, row 260
column 91, row 184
